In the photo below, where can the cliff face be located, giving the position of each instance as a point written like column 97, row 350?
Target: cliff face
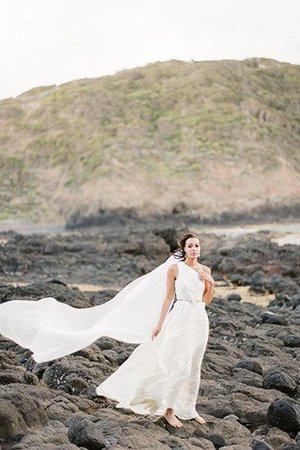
column 216, row 135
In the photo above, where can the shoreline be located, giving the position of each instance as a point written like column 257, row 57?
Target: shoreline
column 283, row 233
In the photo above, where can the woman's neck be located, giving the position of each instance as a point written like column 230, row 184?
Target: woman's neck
column 191, row 261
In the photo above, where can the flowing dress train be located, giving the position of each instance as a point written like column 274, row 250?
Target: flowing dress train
column 52, row 329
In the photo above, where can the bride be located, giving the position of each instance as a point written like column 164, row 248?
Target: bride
column 162, row 377
column 163, row 311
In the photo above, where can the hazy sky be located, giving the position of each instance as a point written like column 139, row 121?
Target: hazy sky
column 44, row 42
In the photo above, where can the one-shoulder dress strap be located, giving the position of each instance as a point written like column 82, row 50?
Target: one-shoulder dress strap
column 178, row 270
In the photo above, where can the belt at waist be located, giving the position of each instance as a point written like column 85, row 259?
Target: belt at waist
column 188, row 300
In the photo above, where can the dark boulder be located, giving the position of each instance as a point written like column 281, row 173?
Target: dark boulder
column 281, row 381
column 251, row 365
column 272, row 318
column 284, row 413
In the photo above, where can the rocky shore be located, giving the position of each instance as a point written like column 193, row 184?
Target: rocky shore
column 250, row 381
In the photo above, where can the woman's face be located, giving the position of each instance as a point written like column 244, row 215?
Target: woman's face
column 192, row 247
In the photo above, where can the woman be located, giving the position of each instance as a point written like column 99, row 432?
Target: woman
column 162, row 375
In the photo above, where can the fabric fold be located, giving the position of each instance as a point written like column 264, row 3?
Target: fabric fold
column 52, row 329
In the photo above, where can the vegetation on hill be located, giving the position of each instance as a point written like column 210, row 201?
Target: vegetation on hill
column 209, row 133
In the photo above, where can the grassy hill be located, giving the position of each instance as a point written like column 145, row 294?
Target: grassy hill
column 215, row 135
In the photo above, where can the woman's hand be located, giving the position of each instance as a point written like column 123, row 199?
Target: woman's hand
column 155, row 331
column 209, row 283
column 205, row 276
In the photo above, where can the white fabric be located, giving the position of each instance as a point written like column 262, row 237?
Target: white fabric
column 166, row 372
column 52, row 329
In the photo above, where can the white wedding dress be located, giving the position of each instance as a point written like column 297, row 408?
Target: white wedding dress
column 160, row 373
column 165, row 372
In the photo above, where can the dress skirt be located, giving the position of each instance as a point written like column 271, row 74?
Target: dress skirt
column 165, row 372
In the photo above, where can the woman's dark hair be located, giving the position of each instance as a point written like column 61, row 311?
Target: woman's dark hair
column 179, row 253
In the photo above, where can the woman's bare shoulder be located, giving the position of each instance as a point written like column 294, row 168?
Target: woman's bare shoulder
column 173, row 269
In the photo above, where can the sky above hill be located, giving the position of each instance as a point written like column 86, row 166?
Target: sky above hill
column 46, row 42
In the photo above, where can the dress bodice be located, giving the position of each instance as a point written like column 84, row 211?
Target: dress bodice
column 188, row 285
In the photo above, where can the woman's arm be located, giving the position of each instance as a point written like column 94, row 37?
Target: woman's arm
column 209, row 286
column 171, row 277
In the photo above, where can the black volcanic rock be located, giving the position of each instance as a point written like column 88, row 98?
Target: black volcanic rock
column 291, row 340
column 272, row 317
column 87, row 434
column 246, row 345
column 284, row 413
column 251, row 365
column 281, row 381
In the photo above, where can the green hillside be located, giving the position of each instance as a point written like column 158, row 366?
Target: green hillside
column 207, row 133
